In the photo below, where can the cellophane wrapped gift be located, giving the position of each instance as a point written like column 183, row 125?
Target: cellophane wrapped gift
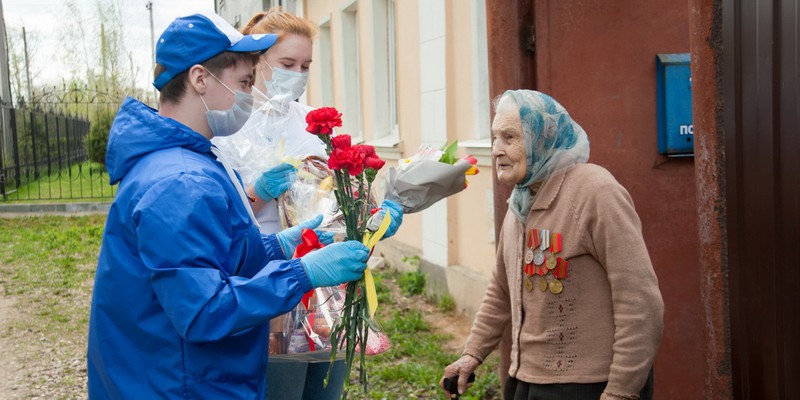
column 308, row 326
column 428, row 176
column 310, row 195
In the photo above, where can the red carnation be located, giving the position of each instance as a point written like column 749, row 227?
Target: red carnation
column 374, row 163
column 322, row 120
column 348, row 159
column 365, row 150
column 340, row 141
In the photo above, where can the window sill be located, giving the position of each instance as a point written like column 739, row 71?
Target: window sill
column 481, row 149
column 388, row 147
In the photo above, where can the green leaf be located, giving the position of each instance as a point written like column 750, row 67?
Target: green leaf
column 449, row 155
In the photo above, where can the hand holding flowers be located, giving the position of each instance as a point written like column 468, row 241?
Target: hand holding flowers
column 354, row 169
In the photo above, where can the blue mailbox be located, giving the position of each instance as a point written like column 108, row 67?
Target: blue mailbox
column 674, row 99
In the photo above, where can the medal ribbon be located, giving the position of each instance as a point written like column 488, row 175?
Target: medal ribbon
column 542, row 269
column 545, row 239
column 561, row 268
column 555, row 243
column 529, row 267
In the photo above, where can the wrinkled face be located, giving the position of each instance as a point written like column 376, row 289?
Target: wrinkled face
column 508, row 146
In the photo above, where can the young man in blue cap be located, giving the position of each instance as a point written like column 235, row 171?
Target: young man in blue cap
column 186, row 283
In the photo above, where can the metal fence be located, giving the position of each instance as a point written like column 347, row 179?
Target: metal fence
column 43, row 152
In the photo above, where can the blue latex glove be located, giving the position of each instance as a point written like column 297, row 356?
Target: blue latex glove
column 336, row 264
column 395, row 211
column 274, row 182
column 290, row 238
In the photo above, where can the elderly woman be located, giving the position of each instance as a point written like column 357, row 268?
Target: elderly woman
column 573, row 276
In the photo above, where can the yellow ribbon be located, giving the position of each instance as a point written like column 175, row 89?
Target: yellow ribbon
column 291, row 161
column 370, row 239
column 302, row 174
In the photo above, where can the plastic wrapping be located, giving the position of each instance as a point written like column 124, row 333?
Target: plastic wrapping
column 253, row 150
column 426, row 177
column 272, row 133
column 310, row 195
column 308, row 327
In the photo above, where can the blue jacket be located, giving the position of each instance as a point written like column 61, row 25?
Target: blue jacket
column 186, row 283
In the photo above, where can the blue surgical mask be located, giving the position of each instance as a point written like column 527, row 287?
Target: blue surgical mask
column 227, row 122
column 285, row 86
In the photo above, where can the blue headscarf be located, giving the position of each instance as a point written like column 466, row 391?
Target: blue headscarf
column 553, row 143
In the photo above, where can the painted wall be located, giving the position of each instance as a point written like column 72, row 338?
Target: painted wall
column 240, row 11
column 598, row 59
column 442, row 95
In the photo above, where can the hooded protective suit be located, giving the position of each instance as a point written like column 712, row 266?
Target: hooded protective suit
column 186, row 283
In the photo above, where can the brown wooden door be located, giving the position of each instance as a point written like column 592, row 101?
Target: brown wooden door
column 760, row 67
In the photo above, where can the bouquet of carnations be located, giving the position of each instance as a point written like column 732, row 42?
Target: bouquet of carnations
column 354, row 170
column 428, row 176
column 425, row 178
column 308, row 327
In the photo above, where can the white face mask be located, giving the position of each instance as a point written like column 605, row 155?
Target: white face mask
column 285, row 86
column 227, row 122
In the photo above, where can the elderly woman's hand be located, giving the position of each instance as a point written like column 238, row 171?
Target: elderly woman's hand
column 462, row 369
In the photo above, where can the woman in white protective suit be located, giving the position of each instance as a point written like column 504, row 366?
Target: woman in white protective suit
column 277, row 126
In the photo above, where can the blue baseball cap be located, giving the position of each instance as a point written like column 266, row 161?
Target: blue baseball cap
column 198, row 38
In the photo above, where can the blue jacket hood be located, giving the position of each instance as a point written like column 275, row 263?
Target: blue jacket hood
column 139, row 130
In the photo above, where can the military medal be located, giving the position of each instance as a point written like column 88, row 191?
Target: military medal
column 541, row 258
column 535, row 244
column 538, row 258
column 551, row 262
column 542, row 282
column 529, row 250
column 556, row 286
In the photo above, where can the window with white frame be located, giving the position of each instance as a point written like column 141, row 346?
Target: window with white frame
column 352, row 84
column 480, row 144
column 385, row 89
column 392, row 48
column 325, row 63
column 480, row 73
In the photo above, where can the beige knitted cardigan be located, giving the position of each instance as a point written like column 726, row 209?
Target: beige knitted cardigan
column 606, row 323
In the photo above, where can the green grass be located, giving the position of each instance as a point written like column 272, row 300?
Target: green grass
column 446, row 303
column 412, row 283
column 47, row 266
column 80, row 181
column 412, row 367
column 49, row 262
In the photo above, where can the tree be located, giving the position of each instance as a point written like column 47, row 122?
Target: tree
column 97, row 141
column 102, row 55
column 17, row 61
